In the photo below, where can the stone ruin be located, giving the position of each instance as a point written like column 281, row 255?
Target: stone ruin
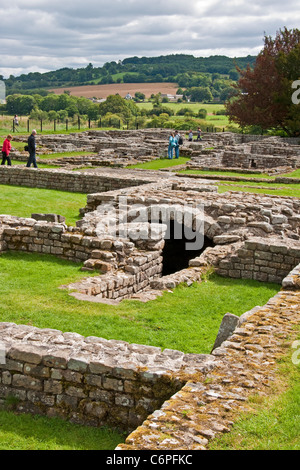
column 216, row 150
column 107, row 148
column 122, row 234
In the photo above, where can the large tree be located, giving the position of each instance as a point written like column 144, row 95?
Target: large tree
column 263, row 94
column 117, row 105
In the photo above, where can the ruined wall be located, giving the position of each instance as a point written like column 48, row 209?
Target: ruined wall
column 89, row 380
column 62, row 180
column 129, row 270
column 256, row 258
column 253, row 160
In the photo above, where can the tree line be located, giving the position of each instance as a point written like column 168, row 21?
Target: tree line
column 178, row 68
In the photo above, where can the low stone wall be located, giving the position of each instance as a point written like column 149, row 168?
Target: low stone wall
column 63, row 180
column 259, row 259
column 90, row 380
column 254, row 160
column 137, row 276
column 128, row 270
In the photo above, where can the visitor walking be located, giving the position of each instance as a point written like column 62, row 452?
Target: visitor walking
column 191, row 136
column 172, row 144
column 6, row 150
column 16, row 122
column 199, row 134
column 32, row 150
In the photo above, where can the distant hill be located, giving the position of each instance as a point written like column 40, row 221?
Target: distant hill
column 182, row 69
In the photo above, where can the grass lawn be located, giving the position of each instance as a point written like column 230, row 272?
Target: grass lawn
column 293, row 174
column 278, row 189
column 26, row 432
column 161, row 163
column 187, row 319
column 22, row 202
column 225, row 173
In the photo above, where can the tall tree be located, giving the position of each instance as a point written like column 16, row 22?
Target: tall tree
column 264, row 94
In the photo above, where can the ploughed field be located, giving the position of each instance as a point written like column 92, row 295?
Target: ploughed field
column 103, row 91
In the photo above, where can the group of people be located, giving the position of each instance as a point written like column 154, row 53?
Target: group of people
column 174, row 142
column 31, row 148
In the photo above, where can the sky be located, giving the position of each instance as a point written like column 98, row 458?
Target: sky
column 43, row 35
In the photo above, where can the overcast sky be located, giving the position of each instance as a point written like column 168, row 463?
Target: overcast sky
column 43, row 35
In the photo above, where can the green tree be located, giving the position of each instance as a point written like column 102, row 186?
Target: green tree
column 20, row 104
column 115, row 104
column 49, row 103
column 200, row 94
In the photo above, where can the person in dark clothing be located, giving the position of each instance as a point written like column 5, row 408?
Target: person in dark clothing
column 5, row 150
column 31, row 150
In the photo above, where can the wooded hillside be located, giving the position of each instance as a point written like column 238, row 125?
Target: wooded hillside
column 185, row 70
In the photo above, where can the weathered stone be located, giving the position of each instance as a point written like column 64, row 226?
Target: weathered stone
column 227, row 327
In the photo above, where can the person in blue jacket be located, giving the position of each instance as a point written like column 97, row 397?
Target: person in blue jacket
column 172, row 144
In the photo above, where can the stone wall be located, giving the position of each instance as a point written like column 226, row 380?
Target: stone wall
column 63, row 180
column 254, row 160
column 128, row 270
column 256, row 258
column 89, row 380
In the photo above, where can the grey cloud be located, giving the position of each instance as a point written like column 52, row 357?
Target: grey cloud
column 41, row 35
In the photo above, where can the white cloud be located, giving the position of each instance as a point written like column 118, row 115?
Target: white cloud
column 40, row 35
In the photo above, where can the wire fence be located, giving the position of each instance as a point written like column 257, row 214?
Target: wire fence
column 26, row 125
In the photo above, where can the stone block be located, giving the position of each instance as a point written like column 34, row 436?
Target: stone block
column 27, row 382
column 226, row 329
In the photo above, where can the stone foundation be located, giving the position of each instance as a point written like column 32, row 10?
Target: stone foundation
column 256, row 258
column 63, row 180
column 89, row 380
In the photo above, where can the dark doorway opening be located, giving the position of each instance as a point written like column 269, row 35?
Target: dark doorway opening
column 181, row 245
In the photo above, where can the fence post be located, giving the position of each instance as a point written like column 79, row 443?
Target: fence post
column 13, row 125
column 67, row 124
column 54, row 124
column 78, row 122
column 89, row 123
column 28, row 125
column 41, row 125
